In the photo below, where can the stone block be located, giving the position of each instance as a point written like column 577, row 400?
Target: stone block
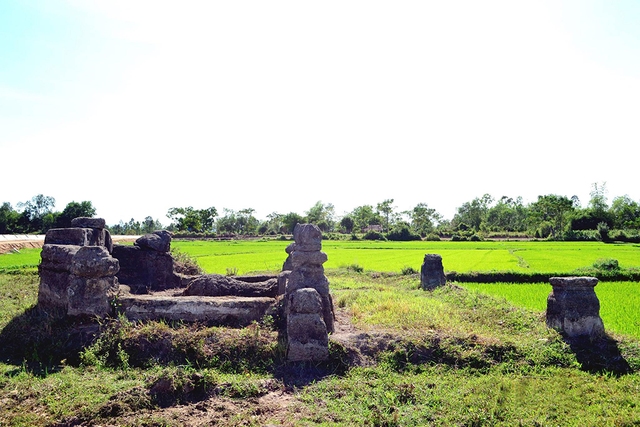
column 432, row 272
column 159, row 241
column 91, row 296
column 94, row 261
column 85, row 222
column 306, row 301
column 573, row 307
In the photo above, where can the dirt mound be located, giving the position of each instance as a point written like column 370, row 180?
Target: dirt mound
column 6, row 247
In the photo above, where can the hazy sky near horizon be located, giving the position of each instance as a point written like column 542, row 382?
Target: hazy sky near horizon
column 140, row 106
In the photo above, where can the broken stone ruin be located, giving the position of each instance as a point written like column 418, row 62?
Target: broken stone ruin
column 308, row 304
column 82, row 273
column 573, row 307
column 432, row 272
column 77, row 272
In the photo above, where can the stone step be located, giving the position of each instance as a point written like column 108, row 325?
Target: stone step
column 218, row 311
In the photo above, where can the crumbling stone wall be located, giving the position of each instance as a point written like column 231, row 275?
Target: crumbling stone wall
column 147, row 266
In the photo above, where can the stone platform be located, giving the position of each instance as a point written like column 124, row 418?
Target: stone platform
column 220, row 310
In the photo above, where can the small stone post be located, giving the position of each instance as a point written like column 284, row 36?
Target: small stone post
column 432, row 272
column 573, row 307
column 308, row 304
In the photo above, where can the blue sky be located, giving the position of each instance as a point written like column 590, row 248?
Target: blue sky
column 142, row 106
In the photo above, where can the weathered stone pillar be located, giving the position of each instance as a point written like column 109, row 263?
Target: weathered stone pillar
column 77, row 272
column 432, row 272
column 308, row 304
column 573, row 307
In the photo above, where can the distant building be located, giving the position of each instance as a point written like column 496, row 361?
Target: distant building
column 373, row 227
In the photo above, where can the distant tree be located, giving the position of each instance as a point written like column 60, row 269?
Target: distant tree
column 507, row 215
column 423, row 219
column 551, row 211
column 228, row 222
column 194, row 220
column 346, row 224
column 289, row 222
column 473, row 214
column 273, row 224
column 322, row 215
column 598, row 202
column 625, row 213
column 247, row 223
column 74, row 210
column 149, row 225
column 34, row 212
column 364, row 216
column 385, row 209
column 8, row 219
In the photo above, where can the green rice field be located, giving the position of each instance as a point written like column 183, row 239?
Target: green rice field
column 553, row 257
column 619, row 300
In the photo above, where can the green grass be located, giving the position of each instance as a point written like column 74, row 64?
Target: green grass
column 26, row 258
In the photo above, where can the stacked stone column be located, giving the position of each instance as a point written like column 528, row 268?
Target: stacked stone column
column 308, row 304
column 77, row 272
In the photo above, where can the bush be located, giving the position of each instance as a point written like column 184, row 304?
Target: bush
column 475, row 238
column 373, row 235
column 432, row 237
column 458, row 238
column 407, row 270
column 606, row 264
column 603, row 231
column 355, row 268
column 184, row 263
column 402, row 234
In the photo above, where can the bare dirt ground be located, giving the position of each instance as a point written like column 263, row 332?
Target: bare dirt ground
column 279, row 405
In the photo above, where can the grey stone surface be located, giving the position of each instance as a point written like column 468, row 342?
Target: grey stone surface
column 308, row 304
column 91, row 296
column 219, row 285
column 305, row 301
column 159, row 241
column 93, row 262
column 226, row 310
column 145, row 270
column 573, row 307
column 432, row 272
column 85, row 222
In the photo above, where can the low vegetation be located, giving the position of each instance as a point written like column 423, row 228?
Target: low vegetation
column 465, row 354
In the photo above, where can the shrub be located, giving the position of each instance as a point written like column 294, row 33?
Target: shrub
column 458, row 238
column 355, row 268
column 603, row 231
column 184, row 263
column 403, row 234
column 475, row 238
column 606, row 264
column 373, row 235
column 432, row 237
column 407, row 270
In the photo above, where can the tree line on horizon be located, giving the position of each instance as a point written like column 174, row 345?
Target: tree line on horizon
column 551, row 216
